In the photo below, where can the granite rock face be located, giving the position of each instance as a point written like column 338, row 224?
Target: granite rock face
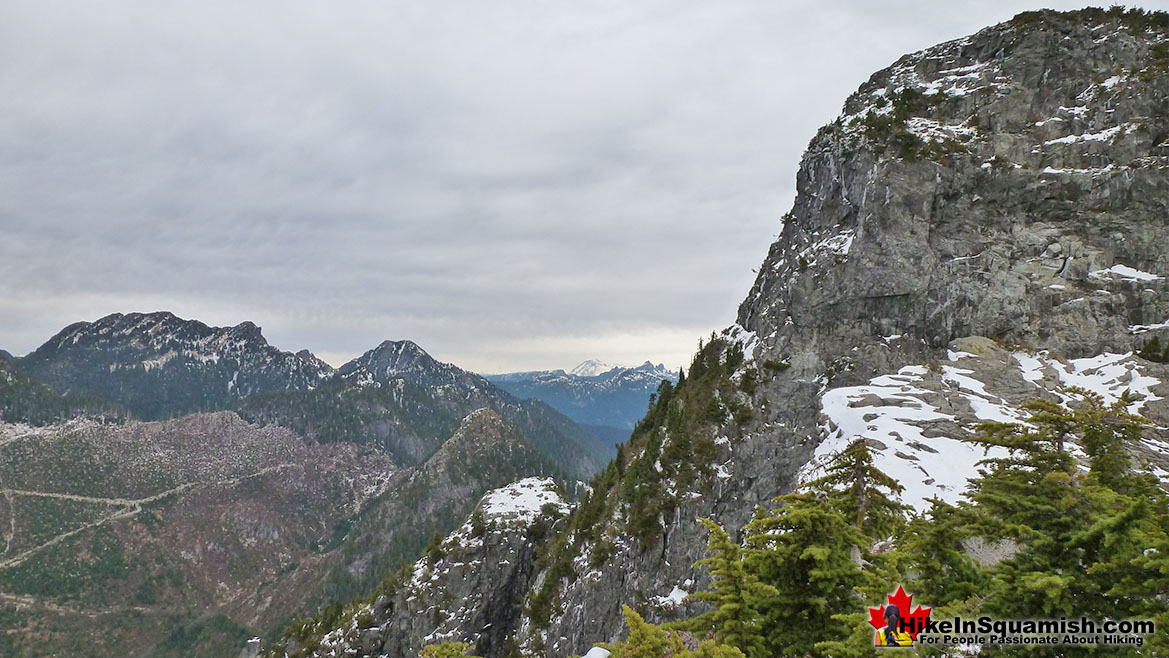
column 983, row 224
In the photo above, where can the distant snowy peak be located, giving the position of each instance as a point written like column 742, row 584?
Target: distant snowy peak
column 599, row 369
column 593, row 393
column 592, row 368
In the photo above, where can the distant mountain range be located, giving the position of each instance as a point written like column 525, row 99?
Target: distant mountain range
column 607, row 399
column 173, row 466
column 395, row 397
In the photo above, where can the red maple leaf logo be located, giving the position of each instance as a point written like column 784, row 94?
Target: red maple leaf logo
column 911, row 622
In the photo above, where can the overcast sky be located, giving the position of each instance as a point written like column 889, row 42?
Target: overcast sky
column 512, row 185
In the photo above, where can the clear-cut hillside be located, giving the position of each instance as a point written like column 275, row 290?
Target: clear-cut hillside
column 189, row 534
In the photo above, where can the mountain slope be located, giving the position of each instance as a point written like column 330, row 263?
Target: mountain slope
column 398, row 397
column 24, row 400
column 485, row 452
column 983, row 224
column 157, row 365
column 165, row 530
column 190, row 534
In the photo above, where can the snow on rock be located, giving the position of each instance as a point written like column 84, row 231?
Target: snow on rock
column 1143, row 328
column 1125, row 272
column 918, row 442
column 1108, row 375
column 521, row 501
column 985, row 406
column 1030, row 366
column 929, row 130
column 1102, row 136
column 750, row 342
column 836, row 246
column 673, row 599
column 889, row 412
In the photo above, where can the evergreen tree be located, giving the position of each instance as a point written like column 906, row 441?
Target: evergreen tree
column 862, row 492
column 447, row 650
column 649, row 641
column 801, row 554
column 734, row 620
column 1090, row 543
column 943, row 571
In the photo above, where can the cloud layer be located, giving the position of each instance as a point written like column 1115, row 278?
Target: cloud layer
column 513, row 185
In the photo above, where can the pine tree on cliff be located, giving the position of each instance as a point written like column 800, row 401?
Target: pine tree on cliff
column 801, row 554
column 861, row 491
column 734, row 619
column 943, row 571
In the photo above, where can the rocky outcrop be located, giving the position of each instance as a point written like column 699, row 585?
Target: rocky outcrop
column 436, row 496
column 471, row 587
column 1011, row 185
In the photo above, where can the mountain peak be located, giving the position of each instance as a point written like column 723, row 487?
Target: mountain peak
column 404, row 359
column 591, row 368
column 392, row 359
column 158, row 364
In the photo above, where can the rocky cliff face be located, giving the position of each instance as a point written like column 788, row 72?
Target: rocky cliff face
column 485, row 452
column 983, row 224
column 470, row 588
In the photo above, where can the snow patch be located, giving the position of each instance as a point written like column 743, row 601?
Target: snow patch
column 1125, row 272
column 673, row 599
column 1105, row 135
column 889, row 413
column 522, row 500
column 929, row 130
column 1142, row 328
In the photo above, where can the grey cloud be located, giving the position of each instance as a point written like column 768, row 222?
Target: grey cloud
column 513, row 184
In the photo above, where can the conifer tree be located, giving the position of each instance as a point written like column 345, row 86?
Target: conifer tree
column 862, row 492
column 1091, row 543
column 650, row 641
column 734, row 620
column 801, row 553
column 447, row 650
column 943, row 571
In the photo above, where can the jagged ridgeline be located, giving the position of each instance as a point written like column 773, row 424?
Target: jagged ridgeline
column 984, row 225
column 159, row 366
